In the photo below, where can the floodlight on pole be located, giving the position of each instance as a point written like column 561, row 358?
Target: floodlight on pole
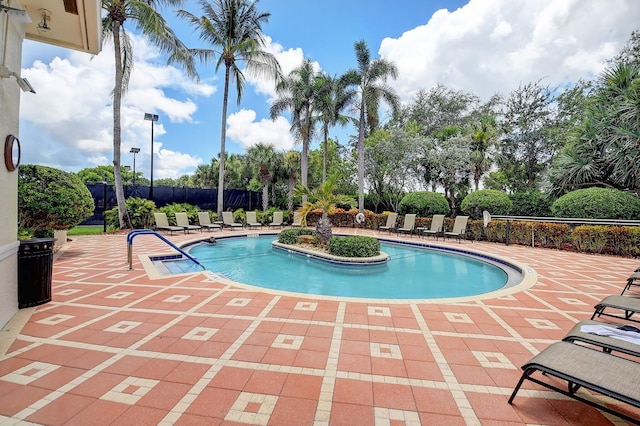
column 152, row 118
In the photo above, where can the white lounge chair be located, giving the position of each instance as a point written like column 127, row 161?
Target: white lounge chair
column 436, row 229
column 297, row 220
column 183, row 220
column 205, row 221
column 391, row 222
column 227, row 220
column 459, row 228
column 277, row 220
column 252, row 221
column 162, row 223
column 409, row 224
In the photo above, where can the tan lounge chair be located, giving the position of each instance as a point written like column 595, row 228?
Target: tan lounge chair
column 205, row 221
column 606, row 343
column 297, row 220
column 436, row 229
column 391, row 222
column 183, row 220
column 579, row 366
column 630, row 305
column 409, row 224
column 227, row 220
column 459, row 228
column 632, row 280
column 252, row 221
column 162, row 223
column 277, row 220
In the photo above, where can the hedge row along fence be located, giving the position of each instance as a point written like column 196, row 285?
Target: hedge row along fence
column 616, row 240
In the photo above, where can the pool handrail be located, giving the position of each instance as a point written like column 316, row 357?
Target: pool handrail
column 131, row 235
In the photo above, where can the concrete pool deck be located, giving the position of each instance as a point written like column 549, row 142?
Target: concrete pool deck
column 117, row 347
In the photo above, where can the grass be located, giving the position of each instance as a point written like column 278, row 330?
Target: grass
column 86, row 230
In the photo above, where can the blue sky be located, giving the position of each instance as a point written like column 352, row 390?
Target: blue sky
column 479, row 46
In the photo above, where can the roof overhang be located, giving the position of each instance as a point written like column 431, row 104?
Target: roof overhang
column 74, row 24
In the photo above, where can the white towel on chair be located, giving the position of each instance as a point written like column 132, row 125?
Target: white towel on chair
column 603, row 330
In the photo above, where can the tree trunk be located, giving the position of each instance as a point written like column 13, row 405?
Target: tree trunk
column 304, row 165
column 291, row 185
column 265, row 197
column 223, row 138
column 361, row 158
column 324, row 229
column 123, row 215
column 325, row 154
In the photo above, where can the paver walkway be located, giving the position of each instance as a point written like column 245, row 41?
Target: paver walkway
column 116, row 347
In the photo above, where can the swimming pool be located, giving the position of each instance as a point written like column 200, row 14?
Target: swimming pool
column 410, row 273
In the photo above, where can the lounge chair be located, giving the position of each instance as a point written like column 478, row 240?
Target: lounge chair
column 632, row 280
column 277, row 220
column 205, row 221
column 183, row 220
column 579, row 366
column 606, row 343
column 630, row 305
column 459, row 228
column 227, row 220
column 391, row 222
column 297, row 220
column 436, row 229
column 252, row 221
column 409, row 224
column 162, row 223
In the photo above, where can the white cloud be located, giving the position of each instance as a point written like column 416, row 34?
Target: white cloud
column 243, row 129
column 69, row 122
column 491, row 46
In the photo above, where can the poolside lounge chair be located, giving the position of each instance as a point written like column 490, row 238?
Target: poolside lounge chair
column 183, row 220
column 277, row 220
column 391, row 222
column 579, row 366
column 297, row 220
column 227, row 220
column 409, row 224
column 436, row 229
column 608, row 344
column 459, row 228
column 252, row 221
column 632, row 280
column 162, row 223
column 630, row 305
column 205, row 221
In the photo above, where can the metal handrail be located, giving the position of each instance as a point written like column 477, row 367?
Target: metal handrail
column 131, row 235
column 569, row 220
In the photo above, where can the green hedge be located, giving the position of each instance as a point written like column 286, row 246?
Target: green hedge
column 290, row 236
column 354, row 246
column 424, row 203
column 495, row 202
column 597, row 203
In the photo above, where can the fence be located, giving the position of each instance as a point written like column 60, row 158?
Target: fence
column 104, row 195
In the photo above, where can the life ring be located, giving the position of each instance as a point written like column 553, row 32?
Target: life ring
column 360, row 217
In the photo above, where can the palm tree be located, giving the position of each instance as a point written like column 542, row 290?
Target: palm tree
column 297, row 94
column 483, row 135
column 152, row 24
column 234, row 29
column 324, row 199
column 290, row 171
column 332, row 99
column 263, row 158
column 371, row 79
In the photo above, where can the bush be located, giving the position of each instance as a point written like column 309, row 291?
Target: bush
column 173, row 208
column 140, row 213
column 354, row 246
column 533, row 203
column 597, row 203
column 290, row 236
column 49, row 198
column 495, row 202
column 424, row 204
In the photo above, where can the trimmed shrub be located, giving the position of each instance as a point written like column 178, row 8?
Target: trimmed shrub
column 533, row 203
column 173, row 208
column 49, row 198
column 424, row 203
column 597, row 203
column 290, row 236
column 495, row 202
column 354, row 246
column 140, row 213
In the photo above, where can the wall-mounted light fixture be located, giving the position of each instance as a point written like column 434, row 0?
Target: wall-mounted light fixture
column 22, row 82
column 45, row 20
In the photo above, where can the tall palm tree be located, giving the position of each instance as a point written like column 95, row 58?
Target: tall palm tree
column 234, row 29
column 483, row 135
column 263, row 158
column 297, row 93
column 371, row 80
column 146, row 18
column 332, row 98
column 290, row 170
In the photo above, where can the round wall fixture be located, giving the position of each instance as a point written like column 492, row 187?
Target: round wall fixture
column 12, row 152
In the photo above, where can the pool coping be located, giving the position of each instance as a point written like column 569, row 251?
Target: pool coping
column 529, row 275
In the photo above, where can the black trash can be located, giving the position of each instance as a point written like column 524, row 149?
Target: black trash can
column 35, row 269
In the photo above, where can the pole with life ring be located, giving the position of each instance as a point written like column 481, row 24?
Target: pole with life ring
column 360, row 218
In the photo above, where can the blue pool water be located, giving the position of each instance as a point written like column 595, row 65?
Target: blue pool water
column 411, row 273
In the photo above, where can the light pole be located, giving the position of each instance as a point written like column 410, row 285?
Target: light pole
column 152, row 118
column 134, row 151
